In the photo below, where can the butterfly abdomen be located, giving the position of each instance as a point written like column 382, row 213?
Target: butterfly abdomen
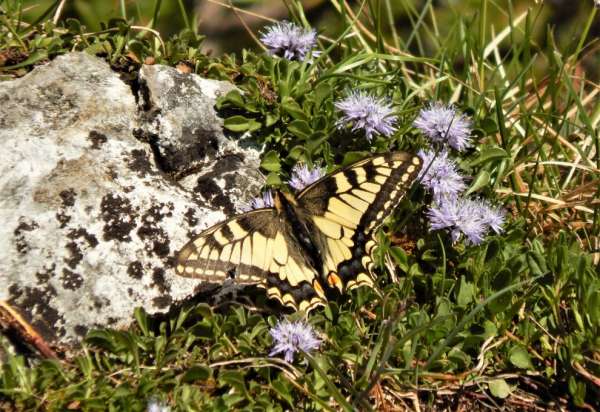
column 287, row 207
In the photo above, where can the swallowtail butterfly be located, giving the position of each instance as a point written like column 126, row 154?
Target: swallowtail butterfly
column 321, row 239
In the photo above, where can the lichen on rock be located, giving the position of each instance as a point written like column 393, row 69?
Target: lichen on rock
column 92, row 210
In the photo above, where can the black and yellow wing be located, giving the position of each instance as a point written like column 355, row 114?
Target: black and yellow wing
column 346, row 207
column 254, row 248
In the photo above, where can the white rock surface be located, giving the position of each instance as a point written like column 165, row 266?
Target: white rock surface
column 90, row 221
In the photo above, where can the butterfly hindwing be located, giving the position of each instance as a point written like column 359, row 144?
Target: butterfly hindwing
column 254, row 248
column 346, row 207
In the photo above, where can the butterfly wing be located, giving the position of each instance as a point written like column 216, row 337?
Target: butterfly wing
column 254, row 248
column 346, row 207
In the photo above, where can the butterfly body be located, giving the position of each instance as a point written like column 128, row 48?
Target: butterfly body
column 309, row 246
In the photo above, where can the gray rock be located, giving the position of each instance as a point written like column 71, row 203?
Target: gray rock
column 190, row 144
column 91, row 210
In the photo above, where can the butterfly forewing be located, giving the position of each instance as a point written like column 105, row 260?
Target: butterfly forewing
column 254, row 248
column 347, row 206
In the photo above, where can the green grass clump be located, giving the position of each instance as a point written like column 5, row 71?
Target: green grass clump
column 513, row 322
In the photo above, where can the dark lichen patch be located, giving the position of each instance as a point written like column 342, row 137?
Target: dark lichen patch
column 90, row 238
column 63, row 218
column 68, row 197
column 213, row 194
column 99, row 303
column 119, row 217
column 139, row 162
column 159, row 281
column 75, row 255
column 14, row 290
column 198, row 146
column 45, row 274
column 25, row 225
column 135, row 270
column 162, row 302
column 81, row 330
column 150, row 231
column 35, row 303
column 71, row 280
column 161, row 248
column 97, row 139
column 190, row 217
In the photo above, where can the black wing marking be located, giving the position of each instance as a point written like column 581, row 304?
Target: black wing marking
column 346, row 207
column 254, row 248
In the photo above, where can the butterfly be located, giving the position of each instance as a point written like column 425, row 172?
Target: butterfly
column 311, row 245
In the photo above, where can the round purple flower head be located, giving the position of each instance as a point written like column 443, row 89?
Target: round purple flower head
column 439, row 174
column 291, row 337
column 465, row 217
column 366, row 112
column 302, row 176
column 266, row 200
column 443, row 124
column 286, row 39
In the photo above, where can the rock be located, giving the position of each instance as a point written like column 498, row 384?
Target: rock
column 191, row 144
column 92, row 211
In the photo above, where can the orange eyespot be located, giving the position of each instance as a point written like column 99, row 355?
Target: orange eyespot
column 335, row 281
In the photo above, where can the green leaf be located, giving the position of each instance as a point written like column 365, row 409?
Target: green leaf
column 196, row 373
column 241, row 124
column 351, row 157
column 481, row 180
column 466, row 292
column 519, row 357
column 33, row 58
column 488, row 154
column 273, row 179
column 140, row 316
column 399, row 257
column 234, row 379
column 291, row 107
column 489, row 125
column 322, row 91
column 234, row 97
column 499, row 388
column 297, row 152
column 204, row 310
column 577, row 390
column 593, row 306
column 271, row 119
column 283, row 391
column 271, row 162
column 300, row 129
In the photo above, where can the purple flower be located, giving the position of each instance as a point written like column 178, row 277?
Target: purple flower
column 492, row 216
column 369, row 113
column 443, row 124
column 291, row 337
column 287, row 40
column 302, row 176
column 266, row 200
column 465, row 217
column 439, row 174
